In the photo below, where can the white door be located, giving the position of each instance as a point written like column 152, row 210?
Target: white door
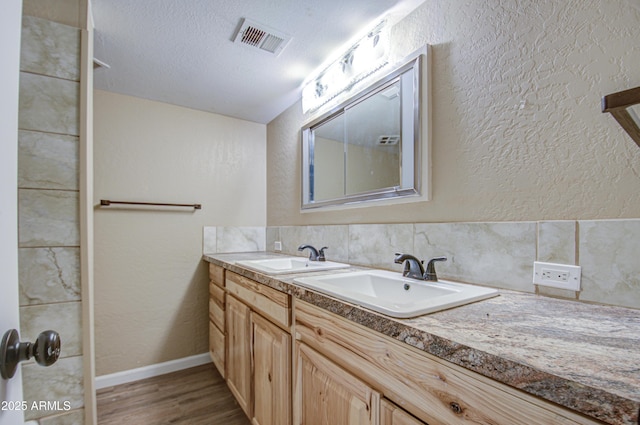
column 10, row 23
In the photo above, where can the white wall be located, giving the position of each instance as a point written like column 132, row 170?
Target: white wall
column 151, row 288
column 517, row 129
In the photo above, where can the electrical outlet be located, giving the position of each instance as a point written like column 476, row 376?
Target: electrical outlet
column 277, row 246
column 557, row 275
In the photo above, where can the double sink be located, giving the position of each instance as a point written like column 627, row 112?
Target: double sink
column 383, row 291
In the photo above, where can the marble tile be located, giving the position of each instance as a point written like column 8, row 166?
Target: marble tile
column 209, row 242
column 49, row 275
column 50, row 48
column 609, row 259
column 48, row 218
column 240, row 239
column 47, row 161
column 557, row 242
column 374, row 245
column 61, row 382
column 549, row 291
column 272, row 235
column 74, row 417
column 48, row 104
column 292, row 237
column 334, row 237
column 493, row 254
column 64, row 318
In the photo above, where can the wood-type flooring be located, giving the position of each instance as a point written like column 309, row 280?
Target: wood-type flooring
column 195, row 396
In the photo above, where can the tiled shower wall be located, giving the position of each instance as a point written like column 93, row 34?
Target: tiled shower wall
column 497, row 254
column 48, row 213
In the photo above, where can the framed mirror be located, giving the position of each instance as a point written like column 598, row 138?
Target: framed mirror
column 625, row 108
column 369, row 147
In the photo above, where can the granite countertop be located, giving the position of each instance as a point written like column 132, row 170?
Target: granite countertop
column 585, row 357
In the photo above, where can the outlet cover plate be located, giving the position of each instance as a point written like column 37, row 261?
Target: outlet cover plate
column 561, row 276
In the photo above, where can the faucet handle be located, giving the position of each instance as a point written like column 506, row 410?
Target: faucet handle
column 430, row 273
column 321, row 256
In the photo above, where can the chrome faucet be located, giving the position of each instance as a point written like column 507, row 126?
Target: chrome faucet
column 413, row 267
column 314, row 255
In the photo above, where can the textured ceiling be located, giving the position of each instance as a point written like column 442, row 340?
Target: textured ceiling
column 182, row 52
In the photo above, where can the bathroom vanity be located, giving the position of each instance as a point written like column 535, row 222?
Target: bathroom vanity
column 294, row 356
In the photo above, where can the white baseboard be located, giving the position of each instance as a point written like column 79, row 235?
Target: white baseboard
column 150, row 371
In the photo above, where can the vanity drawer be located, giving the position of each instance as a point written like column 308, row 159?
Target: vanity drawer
column 216, row 293
column 216, row 348
column 216, row 275
column 216, row 313
column 267, row 301
column 430, row 388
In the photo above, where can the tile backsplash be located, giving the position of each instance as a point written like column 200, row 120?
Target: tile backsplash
column 496, row 254
column 233, row 239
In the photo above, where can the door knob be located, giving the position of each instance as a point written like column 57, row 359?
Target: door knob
column 45, row 350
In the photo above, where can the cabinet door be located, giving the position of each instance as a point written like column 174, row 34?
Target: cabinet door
column 327, row 395
column 390, row 414
column 271, row 373
column 239, row 352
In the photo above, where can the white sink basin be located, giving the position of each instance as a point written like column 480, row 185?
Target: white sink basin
column 394, row 295
column 283, row 265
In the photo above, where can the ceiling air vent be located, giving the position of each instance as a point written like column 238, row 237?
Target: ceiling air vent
column 261, row 37
column 388, row 140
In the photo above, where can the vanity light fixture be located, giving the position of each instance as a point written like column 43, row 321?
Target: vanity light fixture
column 360, row 61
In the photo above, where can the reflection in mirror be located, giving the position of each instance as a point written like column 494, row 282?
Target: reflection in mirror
column 328, row 160
column 373, row 150
column 368, row 147
column 634, row 111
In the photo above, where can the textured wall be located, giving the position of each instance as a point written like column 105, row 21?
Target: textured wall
column 517, row 132
column 151, row 287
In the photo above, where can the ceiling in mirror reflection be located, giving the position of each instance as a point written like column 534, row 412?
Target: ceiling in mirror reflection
column 374, row 122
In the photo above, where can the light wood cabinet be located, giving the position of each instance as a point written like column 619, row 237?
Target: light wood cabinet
column 327, row 394
column 259, row 350
column 239, row 337
column 216, row 275
column 269, row 302
column 431, row 389
column 217, row 331
column 271, row 351
column 336, row 372
column 216, row 305
column 217, row 349
column 390, row 414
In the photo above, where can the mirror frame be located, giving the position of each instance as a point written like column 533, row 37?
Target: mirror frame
column 618, row 104
column 409, row 123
